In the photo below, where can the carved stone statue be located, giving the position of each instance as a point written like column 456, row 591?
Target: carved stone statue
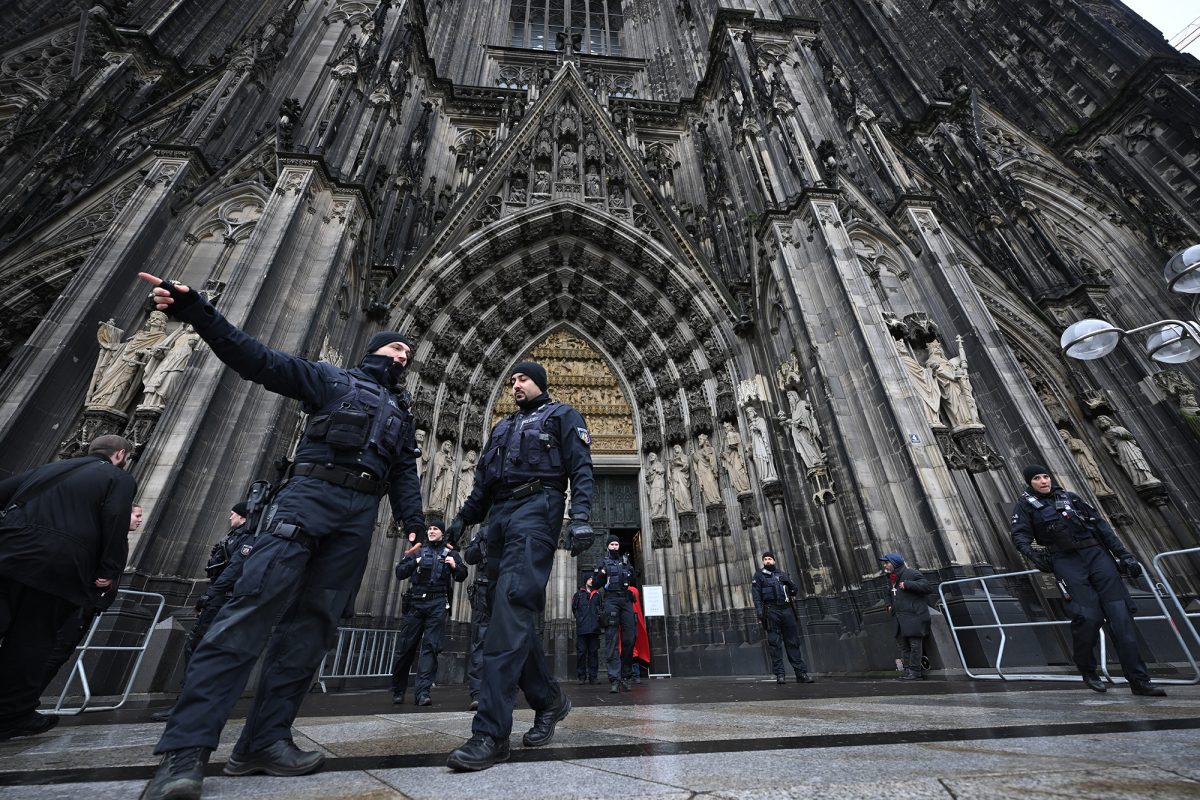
column 168, row 362
column 681, row 480
column 763, row 462
column 443, row 478
column 423, row 459
column 802, row 424
column 466, row 478
column 1122, row 446
column 954, row 385
column 541, row 183
column 656, row 485
column 789, row 372
column 734, row 462
column 567, row 163
column 113, row 388
column 922, row 382
column 1087, row 464
column 704, row 461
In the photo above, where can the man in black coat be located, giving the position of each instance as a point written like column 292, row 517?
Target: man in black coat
column 62, row 538
column 1082, row 551
column 308, row 560
column 908, row 606
column 585, row 605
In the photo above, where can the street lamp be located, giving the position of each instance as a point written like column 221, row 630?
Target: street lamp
column 1172, row 342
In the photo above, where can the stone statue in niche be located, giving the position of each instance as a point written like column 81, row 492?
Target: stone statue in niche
column 656, row 485
column 591, row 183
column 443, row 477
column 704, row 461
column 119, row 367
column 734, row 461
column 761, row 445
column 568, row 163
column 168, row 360
column 466, row 478
column 1122, row 446
column 789, row 372
column 953, row 384
column 802, row 424
column 923, row 384
column 1087, row 463
column 423, row 458
column 681, row 480
column 541, row 183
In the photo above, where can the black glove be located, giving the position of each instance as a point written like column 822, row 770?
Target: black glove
column 1040, row 560
column 580, row 536
column 762, row 620
column 183, row 300
column 455, row 530
column 1129, row 566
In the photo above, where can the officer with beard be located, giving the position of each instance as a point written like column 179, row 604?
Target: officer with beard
column 614, row 575
column 520, row 485
column 306, row 566
column 772, row 590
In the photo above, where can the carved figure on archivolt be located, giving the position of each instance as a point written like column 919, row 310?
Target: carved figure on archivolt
column 118, row 370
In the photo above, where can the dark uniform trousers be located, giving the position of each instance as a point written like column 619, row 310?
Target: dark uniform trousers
column 522, row 539
column 783, row 633
column 29, row 621
column 620, row 618
column 422, row 626
column 291, row 591
column 481, row 613
column 587, row 656
column 218, row 594
column 1094, row 585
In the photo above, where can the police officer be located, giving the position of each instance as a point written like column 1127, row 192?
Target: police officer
column 1080, row 548
column 479, row 593
column 614, row 575
column 585, row 607
column 310, row 555
column 772, row 591
column 433, row 568
column 520, row 486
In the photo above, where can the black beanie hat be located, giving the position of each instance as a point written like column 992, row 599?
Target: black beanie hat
column 386, row 337
column 435, row 521
column 768, row 554
column 241, row 509
column 535, row 371
column 612, row 537
column 1034, row 469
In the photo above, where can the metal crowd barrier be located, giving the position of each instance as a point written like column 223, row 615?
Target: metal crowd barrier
column 1164, row 585
column 360, row 653
column 79, row 668
column 1001, row 674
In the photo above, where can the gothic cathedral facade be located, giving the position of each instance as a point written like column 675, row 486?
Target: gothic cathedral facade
column 802, row 264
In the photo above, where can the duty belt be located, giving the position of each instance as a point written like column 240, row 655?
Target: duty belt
column 524, row 490
column 341, row 476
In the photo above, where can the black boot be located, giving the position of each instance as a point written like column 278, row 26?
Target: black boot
column 31, row 725
column 423, row 700
column 1093, row 682
column 1146, row 689
column 397, row 698
column 282, row 759
column 474, row 704
column 479, row 752
column 544, row 721
column 780, row 679
column 162, row 715
column 910, row 674
column 179, row 776
column 803, row 677
column 614, row 687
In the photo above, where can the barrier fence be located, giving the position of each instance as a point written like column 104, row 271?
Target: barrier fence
column 359, row 653
column 1000, row 672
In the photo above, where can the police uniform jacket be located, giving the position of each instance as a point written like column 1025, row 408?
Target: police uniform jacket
column 427, row 567
column 544, row 441
column 390, row 454
column 585, row 607
column 614, row 575
column 71, row 531
column 909, row 605
column 1062, row 522
column 771, row 587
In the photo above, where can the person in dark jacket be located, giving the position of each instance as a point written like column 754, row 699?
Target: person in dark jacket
column 1080, row 548
column 433, row 568
column 771, row 590
column 909, row 607
column 585, row 605
column 62, row 538
column 308, row 560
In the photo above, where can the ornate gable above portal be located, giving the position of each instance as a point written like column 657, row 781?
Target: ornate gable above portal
column 566, row 150
column 580, row 376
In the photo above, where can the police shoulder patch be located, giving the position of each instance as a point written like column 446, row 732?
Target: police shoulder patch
column 246, row 548
column 584, row 436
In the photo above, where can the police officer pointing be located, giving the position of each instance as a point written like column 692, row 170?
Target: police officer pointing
column 771, row 590
column 433, row 568
column 310, row 556
column 520, row 486
column 614, row 575
column 1080, row 549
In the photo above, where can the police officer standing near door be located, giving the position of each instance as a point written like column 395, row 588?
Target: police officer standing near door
column 614, row 575
column 520, row 486
column 309, row 559
column 772, row 591
column 434, row 568
column 1083, row 553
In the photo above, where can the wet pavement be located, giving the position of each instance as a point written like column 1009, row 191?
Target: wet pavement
column 686, row 738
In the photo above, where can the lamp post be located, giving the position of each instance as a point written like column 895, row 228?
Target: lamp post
column 1173, row 341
